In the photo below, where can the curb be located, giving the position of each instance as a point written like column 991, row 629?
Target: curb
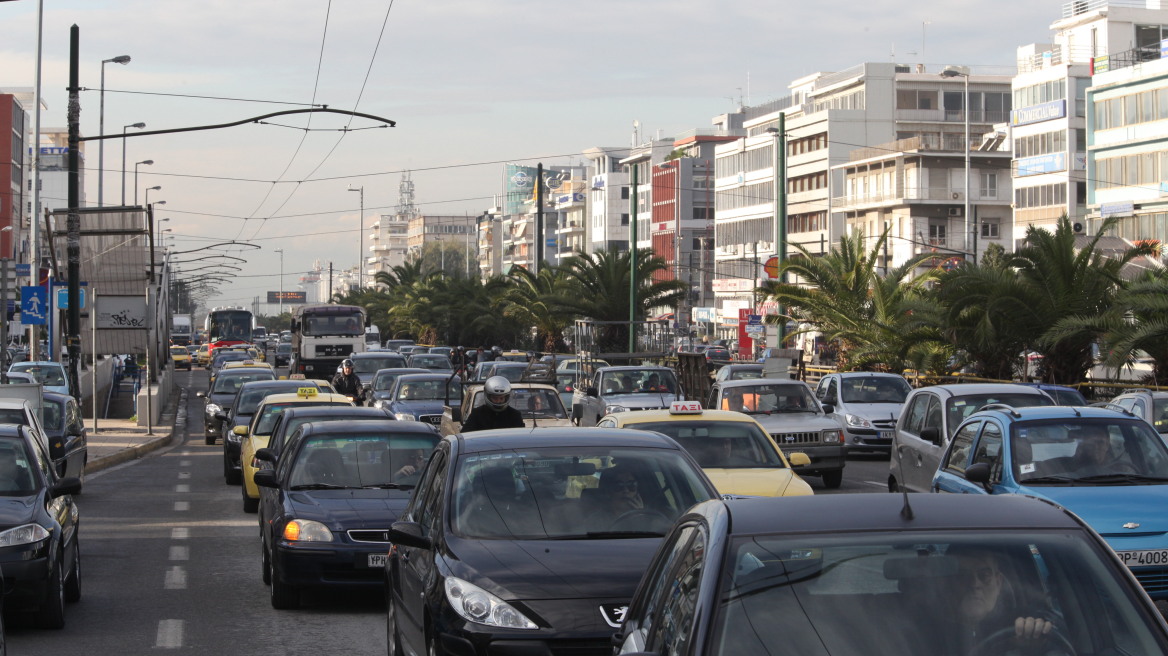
column 141, row 450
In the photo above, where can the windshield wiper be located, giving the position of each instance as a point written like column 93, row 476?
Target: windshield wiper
column 385, row 486
column 318, row 486
column 1060, row 480
column 1121, row 478
column 608, row 535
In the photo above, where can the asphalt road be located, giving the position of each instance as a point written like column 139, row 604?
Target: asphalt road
column 171, row 562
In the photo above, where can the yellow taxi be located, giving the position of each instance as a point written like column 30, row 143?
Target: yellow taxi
column 732, row 448
column 203, row 355
column 255, row 435
column 180, row 357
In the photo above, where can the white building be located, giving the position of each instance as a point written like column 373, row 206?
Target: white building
column 608, row 224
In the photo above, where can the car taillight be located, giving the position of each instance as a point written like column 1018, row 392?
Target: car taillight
column 567, row 388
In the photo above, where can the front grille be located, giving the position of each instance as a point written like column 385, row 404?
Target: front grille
column 579, row 647
column 785, row 439
column 884, row 424
column 369, row 535
column 333, row 350
column 1153, row 580
column 431, row 419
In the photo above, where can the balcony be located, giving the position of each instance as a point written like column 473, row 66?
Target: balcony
column 981, row 117
column 949, row 143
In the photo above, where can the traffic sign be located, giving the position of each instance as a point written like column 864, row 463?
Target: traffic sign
column 63, row 298
column 772, row 267
column 34, row 305
column 754, row 319
column 755, row 329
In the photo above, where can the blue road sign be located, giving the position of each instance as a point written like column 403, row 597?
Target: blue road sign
column 34, row 305
column 23, row 269
column 63, row 298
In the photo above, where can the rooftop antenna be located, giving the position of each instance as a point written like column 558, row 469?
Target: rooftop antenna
column 636, row 133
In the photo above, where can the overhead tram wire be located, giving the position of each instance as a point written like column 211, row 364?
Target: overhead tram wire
column 190, row 95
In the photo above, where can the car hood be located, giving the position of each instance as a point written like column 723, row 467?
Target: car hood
column 758, row 482
column 552, row 569
column 646, row 400
column 343, row 510
column 872, row 410
column 15, row 511
column 418, row 407
column 1106, row 508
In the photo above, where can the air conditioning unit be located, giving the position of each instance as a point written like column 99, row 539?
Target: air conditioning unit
column 956, row 195
column 955, row 211
column 1079, row 228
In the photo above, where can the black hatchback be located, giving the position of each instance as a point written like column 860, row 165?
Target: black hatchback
column 532, row 541
column 39, row 557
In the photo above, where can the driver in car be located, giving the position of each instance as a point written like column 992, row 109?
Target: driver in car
column 990, row 612
column 617, row 495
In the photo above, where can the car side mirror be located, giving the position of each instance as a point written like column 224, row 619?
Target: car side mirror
column 265, row 478
column 408, row 534
column 931, row 434
column 456, row 414
column 70, row 485
column 798, row 460
column 590, row 391
column 267, row 455
column 979, row 473
column 827, row 408
column 221, row 416
column 240, row 431
column 201, row 394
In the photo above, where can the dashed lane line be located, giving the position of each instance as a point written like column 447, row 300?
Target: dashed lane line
column 170, row 634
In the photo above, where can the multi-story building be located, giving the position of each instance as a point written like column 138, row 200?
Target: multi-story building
column 388, row 241
column 571, row 202
column 520, row 217
column 14, row 173
column 453, row 234
column 608, row 202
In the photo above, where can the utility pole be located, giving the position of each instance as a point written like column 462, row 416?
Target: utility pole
column 539, row 242
column 330, row 296
column 780, row 195
column 73, row 223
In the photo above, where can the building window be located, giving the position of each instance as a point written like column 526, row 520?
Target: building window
column 624, row 193
column 989, row 185
column 989, row 228
column 624, row 219
column 937, row 234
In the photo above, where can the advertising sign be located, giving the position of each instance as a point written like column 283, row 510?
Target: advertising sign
column 287, row 297
column 1041, row 164
column 1038, row 113
column 121, row 312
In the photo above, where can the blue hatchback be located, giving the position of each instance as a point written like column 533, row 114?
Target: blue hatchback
column 421, row 397
column 1108, row 467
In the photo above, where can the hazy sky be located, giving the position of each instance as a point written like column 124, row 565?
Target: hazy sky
column 470, row 85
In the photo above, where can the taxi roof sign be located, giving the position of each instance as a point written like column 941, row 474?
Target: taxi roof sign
column 685, row 408
column 306, row 392
column 296, row 377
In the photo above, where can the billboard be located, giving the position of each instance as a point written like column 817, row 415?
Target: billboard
column 519, row 186
column 287, row 297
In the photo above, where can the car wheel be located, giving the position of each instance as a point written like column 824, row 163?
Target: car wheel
column 833, row 479
column 392, row 640
column 265, row 564
column 52, row 613
column 250, row 505
column 73, row 583
column 209, row 439
column 284, row 596
column 231, row 475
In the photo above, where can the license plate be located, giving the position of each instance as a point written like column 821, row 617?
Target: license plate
column 884, row 435
column 1145, row 557
column 378, row 559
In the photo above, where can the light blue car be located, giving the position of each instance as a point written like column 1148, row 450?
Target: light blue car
column 1110, row 468
column 49, row 374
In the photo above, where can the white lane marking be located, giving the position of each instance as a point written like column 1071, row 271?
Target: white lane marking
column 180, row 533
column 182, row 505
column 182, row 488
column 170, row 634
column 180, row 553
column 184, row 463
column 176, row 579
column 183, row 475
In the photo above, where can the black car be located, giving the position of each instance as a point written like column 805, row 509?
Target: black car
column 430, row 362
column 717, row 357
column 242, row 408
column 39, row 557
column 222, row 394
column 338, row 486
column 283, row 354
column 532, row 541
column 68, row 436
column 884, row 575
column 288, row 421
column 421, row 397
column 366, row 365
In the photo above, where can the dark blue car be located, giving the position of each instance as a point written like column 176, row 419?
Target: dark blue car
column 338, row 486
column 420, row 397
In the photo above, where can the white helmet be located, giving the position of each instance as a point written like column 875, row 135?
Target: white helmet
column 498, row 392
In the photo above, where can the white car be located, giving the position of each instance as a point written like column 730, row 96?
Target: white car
column 867, row 405
column 46, row 372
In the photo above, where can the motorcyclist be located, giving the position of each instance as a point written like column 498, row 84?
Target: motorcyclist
column 346, row 382
column 497, row 411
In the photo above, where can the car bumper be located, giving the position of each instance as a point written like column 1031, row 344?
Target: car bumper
column 26, row 578
column 823, row 458
column 335, row 564
column 459, row 637
column 212, row 427
column 873, row 441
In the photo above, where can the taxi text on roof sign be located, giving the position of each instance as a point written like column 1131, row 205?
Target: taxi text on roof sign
column 685, row 408
column 306, row 391
column 296, row 377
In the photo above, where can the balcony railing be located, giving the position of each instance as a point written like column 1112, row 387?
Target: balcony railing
column 978, row 116
column 929, row 142
column 1076, row 7
column 1126, row 58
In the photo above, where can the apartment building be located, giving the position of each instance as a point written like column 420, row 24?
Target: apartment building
column 608, row 199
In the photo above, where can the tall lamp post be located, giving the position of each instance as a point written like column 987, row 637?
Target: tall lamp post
column 963, row 72
column 120, row 59
column 360, row 235
column 280, row 295
column 147, row 162
column 138, row 126
column 780, row 199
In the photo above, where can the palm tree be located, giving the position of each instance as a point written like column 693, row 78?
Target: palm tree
column 536, row 300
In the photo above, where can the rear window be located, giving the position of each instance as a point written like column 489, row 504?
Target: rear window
column 960, row 407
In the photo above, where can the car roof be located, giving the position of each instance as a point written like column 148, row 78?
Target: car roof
column 374, row 354
column 1140, row 390
column 870, row 374
column 38, row 363
column 883, row 512
column 404, row 370
column 330, row 410
column 965, row 389
column 664, row 415
column 627, row 367
column 319, row 397
column 405, row 378
column 280, row 382
column 1053, row 412
column 519, row 438
column 367, row 426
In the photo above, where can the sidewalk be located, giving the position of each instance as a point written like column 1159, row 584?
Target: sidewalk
column 121, row 440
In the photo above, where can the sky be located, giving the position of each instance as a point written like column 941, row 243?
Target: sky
column 470, row 85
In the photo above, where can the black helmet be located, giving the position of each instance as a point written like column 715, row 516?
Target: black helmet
column 346, row 363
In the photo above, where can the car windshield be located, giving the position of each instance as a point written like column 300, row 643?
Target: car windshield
column 1160, row 414
column 333, row 323
column 229, row 382
column 533, row 403
column 16, row 468
column 512, row 371
column 1081, row 451
column 45, row 375
column 289, row 426
column 827, row 593
column 51, row 416
column 765, row 399
column 746, row 373
column 873, row 389
column 271, row 412
column 638, row 381
column 1067, row 396
column 572, row 493
column 354, row 460
column 429, row 390
column 370, row 365
column 230, row 356
column 720, row 444
column 960, row 407
column 284, row 348
column 178, row 350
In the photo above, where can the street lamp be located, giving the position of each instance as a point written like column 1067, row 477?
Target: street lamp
column 147, row 162
column 360, row 235
column 120, row 59
column 954, row 71
column 280, row 294
column 138, row 126
column 780, row 211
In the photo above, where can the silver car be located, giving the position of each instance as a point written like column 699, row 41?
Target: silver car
column 867, row 405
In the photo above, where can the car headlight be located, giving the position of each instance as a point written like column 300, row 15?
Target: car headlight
column 403, row 416
column 857, row 421
column 233, row 438
column 477, row 605
column 27, row 534
column 609, row 409
column 305, row 530
column 831, row 436
column 212, row 409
